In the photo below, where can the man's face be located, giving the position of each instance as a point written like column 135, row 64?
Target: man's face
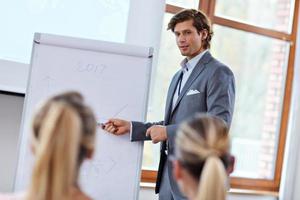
column 188, row 40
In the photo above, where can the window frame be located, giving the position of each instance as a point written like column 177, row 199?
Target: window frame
column 208, row 6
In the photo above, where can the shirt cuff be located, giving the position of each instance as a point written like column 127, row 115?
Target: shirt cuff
column 130, row 132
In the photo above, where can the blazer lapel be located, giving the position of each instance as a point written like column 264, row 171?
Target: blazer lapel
column 196, row 72
column 170, row 96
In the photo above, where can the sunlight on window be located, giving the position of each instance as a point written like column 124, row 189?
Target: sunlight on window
column 273, row 14
column 259, row 64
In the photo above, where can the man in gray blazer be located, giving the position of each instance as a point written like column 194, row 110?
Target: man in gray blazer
column 203, row 84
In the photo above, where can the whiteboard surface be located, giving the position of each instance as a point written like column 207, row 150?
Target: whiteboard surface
column 114, row 85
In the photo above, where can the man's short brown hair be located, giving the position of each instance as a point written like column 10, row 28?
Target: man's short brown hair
column 201, row 22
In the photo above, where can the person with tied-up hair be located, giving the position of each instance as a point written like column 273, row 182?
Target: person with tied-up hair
column 63, row 136
column 202, row 161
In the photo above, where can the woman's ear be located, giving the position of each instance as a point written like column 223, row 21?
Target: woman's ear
column 32, row 149
column 231, row 165
column 177, row 170
column 89, row 153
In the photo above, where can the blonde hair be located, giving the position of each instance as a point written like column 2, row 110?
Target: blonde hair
column 202, row 146
column 63, row 132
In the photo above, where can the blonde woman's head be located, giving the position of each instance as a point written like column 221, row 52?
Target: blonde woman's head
column 63, row 136
column 202, row 158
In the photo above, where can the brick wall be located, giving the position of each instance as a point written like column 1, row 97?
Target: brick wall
column 275, row 92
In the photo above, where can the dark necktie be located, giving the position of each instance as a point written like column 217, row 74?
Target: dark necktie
column 179, row 82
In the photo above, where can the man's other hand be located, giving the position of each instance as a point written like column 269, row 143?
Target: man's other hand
column 157, row 133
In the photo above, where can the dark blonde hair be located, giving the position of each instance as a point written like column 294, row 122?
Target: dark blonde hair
column 63, row 132
column 200, row 22
column 202, row 148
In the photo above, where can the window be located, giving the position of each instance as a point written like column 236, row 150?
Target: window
column 273, row 14
column 259, row 64
column 255, row 39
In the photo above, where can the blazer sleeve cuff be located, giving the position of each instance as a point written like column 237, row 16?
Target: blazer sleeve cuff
column 138, row 131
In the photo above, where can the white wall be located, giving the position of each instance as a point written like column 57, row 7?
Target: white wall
column 13, row 76
column 147, row 193
column 145, row 22
column 10, row 118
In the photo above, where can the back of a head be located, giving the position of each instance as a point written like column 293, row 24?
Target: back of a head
column 202, row 148
column 63, row 133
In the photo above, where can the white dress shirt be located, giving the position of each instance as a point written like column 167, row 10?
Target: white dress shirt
column 187, row 67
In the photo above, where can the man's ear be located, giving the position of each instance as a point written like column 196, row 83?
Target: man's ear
column 231, row 165
column 177, row 170
column 204, row 33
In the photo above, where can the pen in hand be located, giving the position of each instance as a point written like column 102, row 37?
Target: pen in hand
column 101, row 125
column 107, row 127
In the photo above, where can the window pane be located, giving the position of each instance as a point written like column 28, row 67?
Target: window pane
column 272, row 14
column 259, row 64
column 103, row 20
column 168, row 64
column 184, row 3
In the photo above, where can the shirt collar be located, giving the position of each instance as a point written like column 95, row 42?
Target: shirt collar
column 188, row 65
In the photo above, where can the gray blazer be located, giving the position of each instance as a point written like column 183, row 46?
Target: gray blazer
column 216, row 85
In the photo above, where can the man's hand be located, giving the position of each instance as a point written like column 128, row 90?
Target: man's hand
column 117, row 126
column 157, row 133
